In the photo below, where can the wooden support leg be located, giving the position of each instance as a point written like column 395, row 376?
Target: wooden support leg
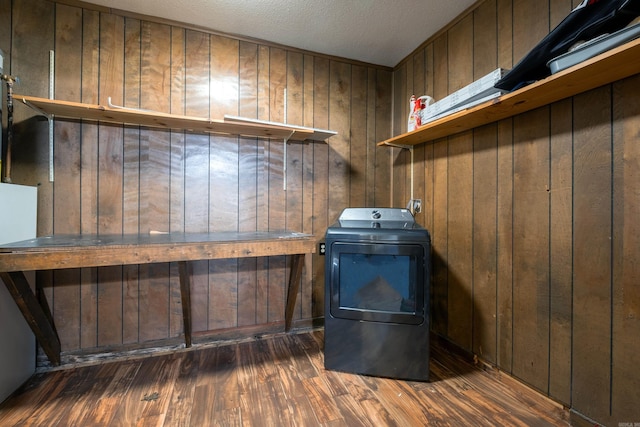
column 37, row 316
column 42, row 300
column 295, row 276
column 186, row 270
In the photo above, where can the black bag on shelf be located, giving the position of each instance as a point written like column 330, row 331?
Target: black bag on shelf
column 588, row 20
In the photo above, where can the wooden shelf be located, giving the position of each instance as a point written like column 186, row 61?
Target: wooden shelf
column 313, row 134
column 608, row 67
column 228, row 125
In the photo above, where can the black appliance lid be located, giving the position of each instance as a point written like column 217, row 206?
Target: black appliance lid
column 395, row 218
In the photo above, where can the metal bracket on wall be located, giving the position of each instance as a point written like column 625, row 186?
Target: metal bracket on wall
column 284, row 162
column 286, row 140
column 414, row 205
column 52, row 70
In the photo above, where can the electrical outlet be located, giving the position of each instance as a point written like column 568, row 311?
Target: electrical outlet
column 322, row 248
column 417, row 205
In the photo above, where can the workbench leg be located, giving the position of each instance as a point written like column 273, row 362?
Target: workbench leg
column 186, row 271
column 36, row 314
column 295, row 276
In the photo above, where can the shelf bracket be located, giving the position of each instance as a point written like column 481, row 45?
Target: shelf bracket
column 404, row 147
column 411, row 150
column 35, row 108
column 122, row 107
column 284, row 161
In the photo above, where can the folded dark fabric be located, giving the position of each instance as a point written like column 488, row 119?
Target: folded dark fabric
column 588, row 20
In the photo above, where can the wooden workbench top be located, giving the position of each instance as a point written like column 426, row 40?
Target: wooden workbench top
column 85, row 250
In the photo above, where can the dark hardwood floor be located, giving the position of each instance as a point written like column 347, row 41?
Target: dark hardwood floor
column 274, row 381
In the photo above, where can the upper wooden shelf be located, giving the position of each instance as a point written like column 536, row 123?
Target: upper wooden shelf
column 228, row 125
column 608, row 67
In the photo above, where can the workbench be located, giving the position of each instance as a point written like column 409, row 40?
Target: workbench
column 78, row 251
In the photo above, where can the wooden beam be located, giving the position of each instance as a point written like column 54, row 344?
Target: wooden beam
column 186, row 270
column 295, row 276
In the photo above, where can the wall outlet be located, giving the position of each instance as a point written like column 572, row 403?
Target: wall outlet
column 322, row 248
column 417, row 205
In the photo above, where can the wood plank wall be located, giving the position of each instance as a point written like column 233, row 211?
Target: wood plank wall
column 533, row 219
column 115, row 178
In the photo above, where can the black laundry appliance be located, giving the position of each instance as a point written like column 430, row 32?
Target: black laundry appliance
column 377, row 279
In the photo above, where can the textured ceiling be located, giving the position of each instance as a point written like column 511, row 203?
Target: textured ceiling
column 379, row 32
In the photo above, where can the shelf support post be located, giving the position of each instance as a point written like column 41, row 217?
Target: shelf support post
column 411, row 149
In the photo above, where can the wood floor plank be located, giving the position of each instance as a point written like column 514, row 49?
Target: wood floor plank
column 402, row 403
column 364, row 391
column 227, row 418
column 294, row 367
column 313, row 349
column 71, row 401
column 36, row 395
column 351, row 412
column 18, row 417
column 225, row 379
column 301, row 357
column 377, row 414
column 255, row 386
column 106, row 405
column 179, row 412
column 150, row 391
column 79, row 399
column 216, row 390
column 258, row 406
column 277, row 380
column 321, row 400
